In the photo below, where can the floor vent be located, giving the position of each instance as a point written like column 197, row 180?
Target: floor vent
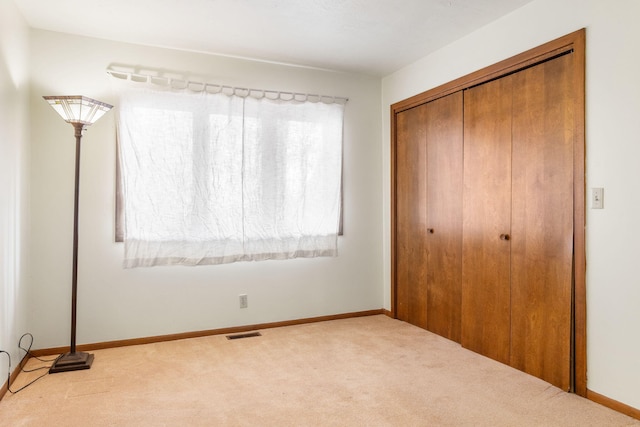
column 247, row 335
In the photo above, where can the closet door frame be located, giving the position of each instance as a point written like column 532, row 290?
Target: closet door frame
column 575, row 43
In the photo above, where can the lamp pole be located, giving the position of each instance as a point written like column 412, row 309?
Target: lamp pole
column 79, row 127
column 74, row 360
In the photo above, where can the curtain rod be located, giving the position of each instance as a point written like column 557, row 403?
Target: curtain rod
column 243, row 92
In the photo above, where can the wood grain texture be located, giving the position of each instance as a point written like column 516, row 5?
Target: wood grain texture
column 411, row 217
column 542, row 221
column 392, row 214
column 444, row 129
column 487, row 215
column 580, row 262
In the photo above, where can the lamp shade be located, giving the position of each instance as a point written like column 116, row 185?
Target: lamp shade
column 78, row 109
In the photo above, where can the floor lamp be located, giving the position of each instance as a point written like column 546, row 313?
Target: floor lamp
column 80, row 111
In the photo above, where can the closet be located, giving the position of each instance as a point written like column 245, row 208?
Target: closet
column 487, row 210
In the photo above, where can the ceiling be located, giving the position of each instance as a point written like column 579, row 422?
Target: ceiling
column 375, row 37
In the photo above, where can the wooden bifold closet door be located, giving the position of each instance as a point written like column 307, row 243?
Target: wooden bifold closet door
column 488, row 212
column 542, row 221
column 428, row 212
column 518, row 220
column 486, row 279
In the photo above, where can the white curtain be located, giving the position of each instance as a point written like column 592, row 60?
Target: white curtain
column 216, row 178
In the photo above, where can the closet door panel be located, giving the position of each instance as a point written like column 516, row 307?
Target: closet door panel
column 444, row 215
column 411, row 217
column 542, row 221
column 486, row 220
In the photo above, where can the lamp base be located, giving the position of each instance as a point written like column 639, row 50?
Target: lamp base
column 72, row 362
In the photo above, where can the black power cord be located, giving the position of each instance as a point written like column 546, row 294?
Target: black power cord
column 27, row 352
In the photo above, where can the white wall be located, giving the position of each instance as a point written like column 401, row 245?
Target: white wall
column 114, row 303
column 613, row 153
column 14, row 45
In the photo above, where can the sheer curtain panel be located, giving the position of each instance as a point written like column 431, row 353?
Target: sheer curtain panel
column 211, row 178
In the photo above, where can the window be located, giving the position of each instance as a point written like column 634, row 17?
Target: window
column 215, row 178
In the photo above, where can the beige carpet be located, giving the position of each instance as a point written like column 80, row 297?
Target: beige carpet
column 370, row 371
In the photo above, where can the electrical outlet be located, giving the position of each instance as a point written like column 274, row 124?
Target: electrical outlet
column 244, row 302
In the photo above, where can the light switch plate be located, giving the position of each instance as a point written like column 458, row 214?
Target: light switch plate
column 597, row 198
